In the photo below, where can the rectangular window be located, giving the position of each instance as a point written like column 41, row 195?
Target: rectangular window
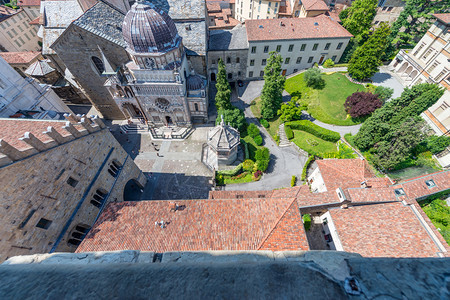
column 327, row 46
column 238, row 60
column 303, row 47
column 287, row 60
column 14, row 31
column 433, row 66
column 249, row 14
column 2, row 26
column 263, row 63
column 339, row 46
column 315, row 47
column 20, row 28
column 276, row 4
column 418, row 49
column 333, row 58
column 291, row 47
column 261, row 73
column 310, row 59
column 9, row 33
column 266, row 49
column 17, row 43
column 253, row 49
column 278, row 48
column 44, row 223
column 250, row 74
column 213, row 62
column 295, row 70
column 275, row 11
column 270, row 4
column 427, row 53
column 299, row 60
column 440, row 75
column 72, row 182
column 26, row 35
column 252, row 62
column 156, row 118
column 21, row 40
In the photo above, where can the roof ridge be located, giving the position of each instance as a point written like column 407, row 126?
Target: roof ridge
column 275, row 225
column 341, row 171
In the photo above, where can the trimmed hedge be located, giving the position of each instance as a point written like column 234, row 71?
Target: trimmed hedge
column 310, row 127
column 246, row 152
column 233, row 172
column 264, row 123
column 293, row 180
column 289, row 132
column 305, row 167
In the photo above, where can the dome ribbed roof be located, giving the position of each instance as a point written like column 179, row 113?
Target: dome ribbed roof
column 223, row 137
column 147, row 29
column 195, row 82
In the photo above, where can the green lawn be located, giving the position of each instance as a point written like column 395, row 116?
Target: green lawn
column 273, row 124
column 326, row 105
column 312, row 144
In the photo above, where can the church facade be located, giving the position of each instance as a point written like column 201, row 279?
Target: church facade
column 159, row 85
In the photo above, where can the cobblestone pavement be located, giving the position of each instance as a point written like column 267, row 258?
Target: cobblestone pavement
column 174, row 168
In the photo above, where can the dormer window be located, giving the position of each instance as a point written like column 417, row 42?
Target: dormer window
column 399, row 192
column 430, row 183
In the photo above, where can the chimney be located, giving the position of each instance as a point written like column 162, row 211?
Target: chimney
column 173, row 206
column 341, row 195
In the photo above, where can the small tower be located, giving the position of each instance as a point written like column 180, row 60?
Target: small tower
column 223, row 141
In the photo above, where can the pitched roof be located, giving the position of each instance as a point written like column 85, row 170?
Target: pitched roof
column 227, row 224
column 13, row 129
column 444, row 18
column 314, row 5
column 29, row 2
column 6, row 12
column 295, row 29
column 344, row 173
column 35, row 21
column 39, row 68
column 19, row 57
column 383, row 230
column 234, row 39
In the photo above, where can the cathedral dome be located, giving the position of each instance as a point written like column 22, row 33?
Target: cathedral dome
column 147, row 29
column 195, row 82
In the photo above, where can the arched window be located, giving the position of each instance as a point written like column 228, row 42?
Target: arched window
column 230, row 76
column 78, row 234
column 129, row 92
column 98, row 64
column 99, row 198
column 196, row 106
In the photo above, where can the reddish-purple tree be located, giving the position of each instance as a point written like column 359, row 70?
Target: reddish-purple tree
column 361, row 104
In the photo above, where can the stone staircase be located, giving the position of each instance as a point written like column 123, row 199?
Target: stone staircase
column 284, row 142
column 134, row 128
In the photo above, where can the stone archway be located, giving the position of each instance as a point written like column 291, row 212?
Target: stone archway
column 131, row 110
column 133, row 191
column 413, row 75
column 169, row 120
column 408, row 70
column 403, row 68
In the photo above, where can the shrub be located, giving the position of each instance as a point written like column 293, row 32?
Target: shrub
column 262, row 165
column 252, row 130
column 247, row 165
column 262, row 154
column 436, row 144
column 305, row 167
column 293, row 180
column 235, row 117
column 246, row 152
column 308, row 126
column 219, row 179
column 289, row 132
column 383, row 93
column 328, row 63
column 314, row 79
column 264, row 123
column 277, row 139
column 307, row 221
column 257, row 175
column 361, row 104
column 258, row 140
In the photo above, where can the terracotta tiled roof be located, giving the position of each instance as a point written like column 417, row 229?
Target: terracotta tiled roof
column 384, row 194
column 233, row 224
column 19, row 57
column 445, row 18
column 383, row 230
column 29, row 2
column 6, row 12
column 295, row 28
column 417, row 188
column 240, row 194
column 13, row 129
column 314, row 5
column 344, row 173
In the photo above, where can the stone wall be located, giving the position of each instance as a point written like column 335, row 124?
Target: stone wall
column 58, row 184
column 237, row 69
column 75, row 48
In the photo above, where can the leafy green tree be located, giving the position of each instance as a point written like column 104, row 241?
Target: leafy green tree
column 399, row 142
column 253, row 130
column 436, row 144
column 415, row 19
column 290, row 111
column 234, row 117
column 313, row 78
column 271, row 95
column 383, row 93
column 262, row 157
column 360, row 16
column 223, row 88
column 349, row 50
column 367, row 58
column 344, row 14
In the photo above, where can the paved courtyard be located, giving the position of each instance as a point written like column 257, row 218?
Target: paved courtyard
column 174, row 168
